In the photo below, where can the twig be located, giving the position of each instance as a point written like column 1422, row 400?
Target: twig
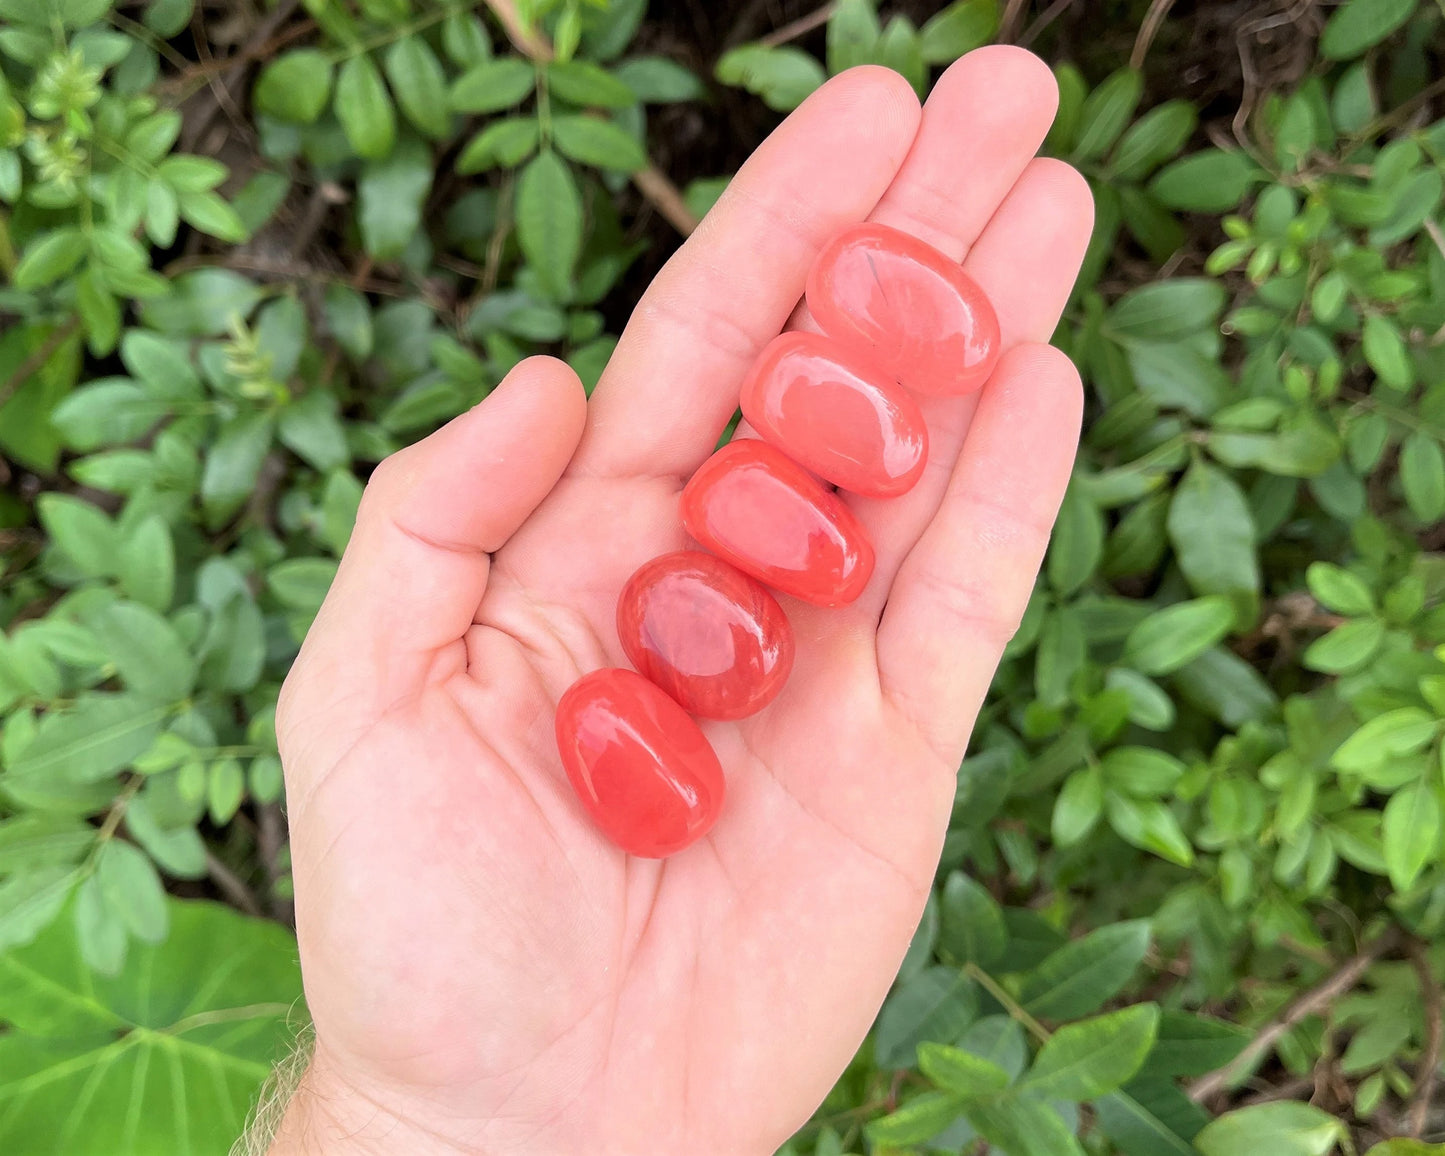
column 800, row 27
column 1430, row 1060
column 233, row 77
column 1012, row 14
column 232, row 886
column 37, row 360
column 326, row 195
column 651, row 182
column 270, row 838
column 1158, row 9
column 1047, row 17
column 1316, row 999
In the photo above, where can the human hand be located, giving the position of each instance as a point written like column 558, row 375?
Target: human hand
column 486, row 973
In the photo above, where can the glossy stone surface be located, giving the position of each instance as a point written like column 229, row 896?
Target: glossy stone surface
column 706, row 633
column 769, row 517
column 640, row 765
column 887, row 295
column 837, row 414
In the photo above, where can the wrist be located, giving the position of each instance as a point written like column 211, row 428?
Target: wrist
column 329, row 1115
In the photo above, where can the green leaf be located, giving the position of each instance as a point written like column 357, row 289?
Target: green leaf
column 1106, row 111
column 208, row 213
column 130, row 886
column 1337, row 589
column 29, row 841
column 853, row 32
column 493, row 85
column 301, row 583
column 1173, row 637
column 233, row 463
column 1412, row 831
column 1150, row 1117
column 972, row 924
column 100, row 936
column 936, row 1005
column 1359, row 25
column 80, row 531
column 1393, row 734
column 1150, row 706
column 504, row 142
column 226, row 789
column 166, row 1056
column 178, row 849
column 364, row 108
column 1141, row 771
column 1085, row 1060
column 1385, row 352
column 30, row 901
column 202, row 303
column 348, row 320
column 1282, row 1128
column 549, row 221
column 1077, row 543
column 50, row 258
column 920, row 1119
column 597, row 142
column 295, row 86
column 1082, row 975
column 1167, row 310
column 1422, row 475
column 1152, row 139
column 465, row 39
column 1406, row 1148
column 417, row 79
column 1213, row 532
column 783, row 77
column 149, row 655
column 961, row 1072
column 311, row 429
column 1209, row 181
column 234, row 650
column 1149, row 825
column 1078, row 807
column 1192, row 1045
column 1346, row 647
column 658, row 80
column 898, row 49
column 583, row 83
column 99, row 735
column 959, row 28
column 1022, row 1126
column 392, row 194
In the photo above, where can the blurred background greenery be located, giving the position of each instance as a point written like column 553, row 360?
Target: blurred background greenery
column 1193, row 898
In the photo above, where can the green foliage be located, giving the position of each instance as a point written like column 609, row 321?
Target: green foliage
column 1213, row 751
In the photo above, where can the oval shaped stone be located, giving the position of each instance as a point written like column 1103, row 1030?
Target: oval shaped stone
column 887, row 295
column 640, row 765
column 707, row 634
column 772, row 519
column 837, row 414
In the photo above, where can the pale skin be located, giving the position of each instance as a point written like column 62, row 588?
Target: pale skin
column 486, row 973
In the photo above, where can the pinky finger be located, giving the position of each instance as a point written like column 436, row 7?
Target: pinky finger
column 962, row 590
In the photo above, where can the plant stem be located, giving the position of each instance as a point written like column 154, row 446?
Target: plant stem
column 1010, row 1005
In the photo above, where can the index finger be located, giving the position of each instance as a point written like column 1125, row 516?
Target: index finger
column 673, row 381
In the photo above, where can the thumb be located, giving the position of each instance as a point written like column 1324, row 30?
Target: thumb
column 416, row 567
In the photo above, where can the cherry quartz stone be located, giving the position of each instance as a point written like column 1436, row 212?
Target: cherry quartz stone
column 888, row 296
column 769, row 517
column 706, row 633
column 641, row 767
column 836, row 414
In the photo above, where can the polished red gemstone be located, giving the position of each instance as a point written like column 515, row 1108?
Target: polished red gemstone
column 836, row 414
column 768, row 516
column 706, row 633
column 641, row 767
column 889, row 296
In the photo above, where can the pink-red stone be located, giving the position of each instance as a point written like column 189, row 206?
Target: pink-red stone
column 706, row 633
column 888, row 296
column 837, row 414
column 640, row 765
column 769, row 517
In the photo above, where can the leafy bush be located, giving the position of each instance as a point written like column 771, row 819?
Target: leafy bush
column 1198, row 851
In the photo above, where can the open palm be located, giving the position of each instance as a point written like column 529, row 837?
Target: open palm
column 486, row 973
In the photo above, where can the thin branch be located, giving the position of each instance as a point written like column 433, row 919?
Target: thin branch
column 651, row 182
column 1317, row 999
column 1012, row 16
column 1430, row 1060
column 1047, row 17
column 800, row 27
column 1153, row 19
column 232, row 886
column 36, row 361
